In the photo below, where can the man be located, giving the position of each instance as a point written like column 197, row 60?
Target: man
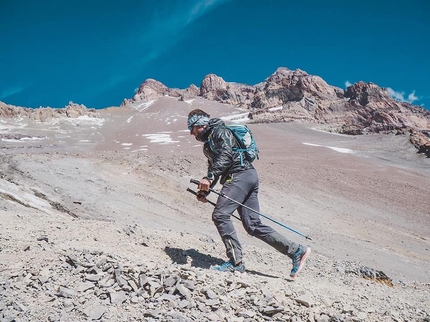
column 240, row 182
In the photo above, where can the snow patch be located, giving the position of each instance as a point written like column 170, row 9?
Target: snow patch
column 142, row 106
column 34, row 138
column 341, row 150
column 236, row 118
column 279, row 108
column 161, row 138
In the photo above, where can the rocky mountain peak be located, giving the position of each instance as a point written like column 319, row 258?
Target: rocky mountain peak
column 152, row 89
column 285, row 73
column 362, row 93
column 213, row 87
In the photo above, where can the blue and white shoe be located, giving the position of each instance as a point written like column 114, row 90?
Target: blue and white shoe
column 299, row 259
column 229, row 267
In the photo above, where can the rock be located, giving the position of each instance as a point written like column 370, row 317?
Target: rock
column 117, row 297
column 213, row 317
column 66, row 292
column 93, row 277
column 322, row 318
column 362, row 316
column 152, row 89
column 270, row 310
column 210, row 294
column 305, row 299
column 184, row 291
column 95, row 312
column 248, row 314
column 85, row 286
column 152, row 313
column 118, row 278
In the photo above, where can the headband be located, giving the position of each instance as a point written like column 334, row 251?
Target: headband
column 196, row 120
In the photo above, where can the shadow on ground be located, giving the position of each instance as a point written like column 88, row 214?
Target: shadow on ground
column 183, row 256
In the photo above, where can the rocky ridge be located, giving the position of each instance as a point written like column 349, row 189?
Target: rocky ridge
column 42, row 114
column 293, row 95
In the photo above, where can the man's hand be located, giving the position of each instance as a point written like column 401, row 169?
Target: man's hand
column 204, row 184
column 201, row 196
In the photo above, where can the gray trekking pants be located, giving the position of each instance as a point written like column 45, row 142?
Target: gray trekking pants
column 243, row 187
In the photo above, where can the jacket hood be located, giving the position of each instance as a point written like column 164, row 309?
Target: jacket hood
column 213, row 123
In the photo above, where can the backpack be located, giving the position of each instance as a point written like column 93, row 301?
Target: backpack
column 245, row 139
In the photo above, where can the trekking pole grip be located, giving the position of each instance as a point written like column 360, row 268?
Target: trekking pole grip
column 197, row 182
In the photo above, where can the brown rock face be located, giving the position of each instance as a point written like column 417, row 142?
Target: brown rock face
column 213, row 88
column 191, row 92
column 361, row 93
column 152, row 89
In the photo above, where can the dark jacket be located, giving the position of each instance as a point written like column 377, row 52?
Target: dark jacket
column 222, row 159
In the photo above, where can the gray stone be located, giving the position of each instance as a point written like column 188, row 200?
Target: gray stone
column 154, row 287
column 184, row 291
column 362, row 316
column 117, row 297
column 183, row 304
column 270, row 310
column 134, row 299
column 213, row 317
column 212, row 302
column 305, row 299
column 189, row 285
column 43, row 278
column 82, row 287
column 95, row 312
column 66, row 292
column 133, row 285
column 68, row 303
column 248, row 314
column 152, row 313
column 322, row 318
column 106, row 282
column 93, row 277
column 170, row 281
column 211, row 294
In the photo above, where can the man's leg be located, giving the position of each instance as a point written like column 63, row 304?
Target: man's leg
column 252, row 223
column 221, row 217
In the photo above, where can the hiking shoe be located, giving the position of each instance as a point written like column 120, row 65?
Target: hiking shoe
column 299, row 259
column 229, row 267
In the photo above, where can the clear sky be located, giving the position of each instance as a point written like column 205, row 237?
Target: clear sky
column 98, row 52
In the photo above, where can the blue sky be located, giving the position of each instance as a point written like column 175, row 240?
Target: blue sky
column 97, row 53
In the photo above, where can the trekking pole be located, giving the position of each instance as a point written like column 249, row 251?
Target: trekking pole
column 212, row 203
column 195, row 193
column 267, row 217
